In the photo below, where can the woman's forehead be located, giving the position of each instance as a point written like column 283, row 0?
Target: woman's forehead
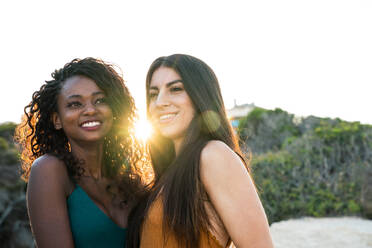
column 162, row 76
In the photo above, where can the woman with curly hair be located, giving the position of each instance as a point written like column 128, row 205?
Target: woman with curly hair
column 79, row 157
column 203, row 194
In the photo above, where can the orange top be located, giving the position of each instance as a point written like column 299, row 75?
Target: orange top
column 152, row 231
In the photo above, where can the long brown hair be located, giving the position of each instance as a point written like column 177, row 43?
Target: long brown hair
column 177, row 178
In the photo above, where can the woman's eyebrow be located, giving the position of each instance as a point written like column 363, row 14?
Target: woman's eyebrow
column 80, row 96
column 173, row 82
column 98, row 93
column 74, row 96
column 167, row 84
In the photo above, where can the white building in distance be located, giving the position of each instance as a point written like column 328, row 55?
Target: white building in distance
column 238, row 112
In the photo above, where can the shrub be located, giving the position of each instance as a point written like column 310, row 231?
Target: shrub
column 3, row 144
column 265, row 130
column 8, row 152
column 290, row 188
column 7, row 130
column 9, row 157
column 312, row 169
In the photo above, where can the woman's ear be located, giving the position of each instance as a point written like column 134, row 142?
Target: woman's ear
column 56, row 121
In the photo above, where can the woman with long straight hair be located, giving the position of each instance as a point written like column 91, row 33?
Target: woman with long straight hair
column 79, row 157
column 202, row 194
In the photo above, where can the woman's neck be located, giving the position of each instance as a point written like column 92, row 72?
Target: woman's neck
column 177, row 143
column 91, row 155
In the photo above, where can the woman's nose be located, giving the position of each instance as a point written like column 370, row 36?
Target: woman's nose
column 162, row 99
column 90, row 109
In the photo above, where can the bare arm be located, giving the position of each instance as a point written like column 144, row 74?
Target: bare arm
column 46, row 202
column 234, row 196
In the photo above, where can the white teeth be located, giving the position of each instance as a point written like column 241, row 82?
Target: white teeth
column 164, row 117
column 91, row 124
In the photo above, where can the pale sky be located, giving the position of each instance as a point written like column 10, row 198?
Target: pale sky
column 306, row 57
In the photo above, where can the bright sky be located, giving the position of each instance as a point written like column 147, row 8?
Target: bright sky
column 306, row 57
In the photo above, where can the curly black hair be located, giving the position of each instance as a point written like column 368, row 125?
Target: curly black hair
column 37, row 135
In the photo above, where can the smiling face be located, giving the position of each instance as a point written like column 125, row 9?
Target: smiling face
column 83, row 113
column 170, row 107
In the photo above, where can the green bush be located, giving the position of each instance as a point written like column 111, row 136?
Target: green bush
column 3, row 144
column 314, row 169
column 8, row 152
column 9, row 157
column 290, row 188
column 7, row 130
column 266, row 130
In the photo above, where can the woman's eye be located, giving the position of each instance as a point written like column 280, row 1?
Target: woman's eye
column 153, row 95
column 100, row 100
column 73, row 104
column 176, row 89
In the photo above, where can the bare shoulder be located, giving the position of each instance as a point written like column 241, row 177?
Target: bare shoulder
column 215, row 146
column 47, row 190
column 49, row 170
column 47, row 160
column 233, row 195
column 220, row 164
column 49, row 165
column 216, row 155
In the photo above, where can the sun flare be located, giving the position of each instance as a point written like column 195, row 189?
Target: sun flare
column 143, row 129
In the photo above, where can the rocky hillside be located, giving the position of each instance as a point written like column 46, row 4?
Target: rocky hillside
column 309, row 166
column 14, row 226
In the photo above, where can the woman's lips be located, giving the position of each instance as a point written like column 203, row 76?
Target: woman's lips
column 91, row 125
column 165, row 118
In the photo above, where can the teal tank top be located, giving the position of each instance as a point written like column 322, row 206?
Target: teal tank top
column 92, row 228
